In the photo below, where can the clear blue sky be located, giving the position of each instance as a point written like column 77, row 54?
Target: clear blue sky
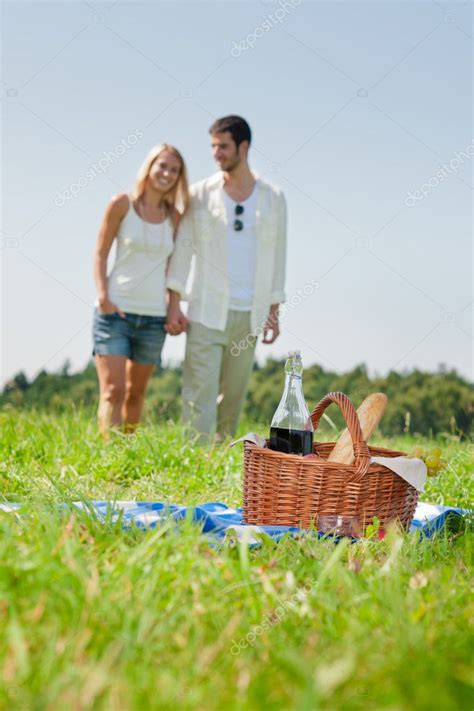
column 354, row 106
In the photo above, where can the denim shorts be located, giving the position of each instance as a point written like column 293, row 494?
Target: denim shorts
column 139, row 338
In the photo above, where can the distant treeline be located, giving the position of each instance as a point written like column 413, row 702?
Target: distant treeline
column 419, row 402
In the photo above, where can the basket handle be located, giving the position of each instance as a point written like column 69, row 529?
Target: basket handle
column 361, row 451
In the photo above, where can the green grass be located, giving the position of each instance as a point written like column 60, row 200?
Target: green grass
column 95, row 617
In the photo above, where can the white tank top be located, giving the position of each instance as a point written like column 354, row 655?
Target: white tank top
column 136, row 283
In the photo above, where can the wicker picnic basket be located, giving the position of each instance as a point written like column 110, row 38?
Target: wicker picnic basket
column 289, row 490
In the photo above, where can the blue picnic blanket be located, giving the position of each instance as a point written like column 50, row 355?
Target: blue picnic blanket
column 222, row 522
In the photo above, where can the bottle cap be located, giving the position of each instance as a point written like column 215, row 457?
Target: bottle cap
column 294, row 354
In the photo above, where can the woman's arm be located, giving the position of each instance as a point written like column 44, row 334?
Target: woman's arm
column 114, row 214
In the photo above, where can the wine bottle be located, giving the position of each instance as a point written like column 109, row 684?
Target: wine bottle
column 291, row 429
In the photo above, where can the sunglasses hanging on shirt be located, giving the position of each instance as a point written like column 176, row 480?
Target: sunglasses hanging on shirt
column 238, row 224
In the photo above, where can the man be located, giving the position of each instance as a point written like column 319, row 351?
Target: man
column 236, row 230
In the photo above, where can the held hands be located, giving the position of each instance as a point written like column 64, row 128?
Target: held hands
column 272, row 325
column 107, row 307
column 176, row 321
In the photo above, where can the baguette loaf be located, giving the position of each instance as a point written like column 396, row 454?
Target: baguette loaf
column 370, row 413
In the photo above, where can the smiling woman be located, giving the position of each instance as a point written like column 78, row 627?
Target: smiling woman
column 129, row 318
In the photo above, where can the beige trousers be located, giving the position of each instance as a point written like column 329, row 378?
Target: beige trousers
column 216, row 372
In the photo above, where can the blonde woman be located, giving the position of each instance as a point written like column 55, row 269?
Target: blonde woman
column 129, row 318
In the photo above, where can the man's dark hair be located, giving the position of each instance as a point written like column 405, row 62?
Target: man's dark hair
column 237, row 127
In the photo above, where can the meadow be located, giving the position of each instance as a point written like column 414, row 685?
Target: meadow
column 97, row 617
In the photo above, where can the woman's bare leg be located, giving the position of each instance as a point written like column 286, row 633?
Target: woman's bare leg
column 111, row 374
column 137, row 376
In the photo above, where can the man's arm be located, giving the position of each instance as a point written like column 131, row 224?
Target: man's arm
column 180, row 260
column 177, row 275
column 272, row 323
column 278, row 283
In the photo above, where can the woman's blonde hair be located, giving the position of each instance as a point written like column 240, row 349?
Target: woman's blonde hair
column 178, row 197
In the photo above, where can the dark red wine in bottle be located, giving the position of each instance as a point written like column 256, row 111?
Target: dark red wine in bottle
column 291, row 441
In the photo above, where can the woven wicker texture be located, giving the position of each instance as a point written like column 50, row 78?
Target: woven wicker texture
column 289, row 490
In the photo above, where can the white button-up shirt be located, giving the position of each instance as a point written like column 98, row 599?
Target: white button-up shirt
column 202, row 234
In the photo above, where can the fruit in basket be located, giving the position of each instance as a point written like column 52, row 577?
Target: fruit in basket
column 431, row 461
column 439, row 466
column 432, row 458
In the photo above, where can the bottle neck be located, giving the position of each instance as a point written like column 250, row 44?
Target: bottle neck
column 293, row 383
